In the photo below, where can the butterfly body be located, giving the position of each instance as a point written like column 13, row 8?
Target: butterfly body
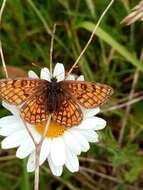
column 53, row 92
column 37, row 98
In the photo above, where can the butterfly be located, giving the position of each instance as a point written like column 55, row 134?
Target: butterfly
column 37, row 98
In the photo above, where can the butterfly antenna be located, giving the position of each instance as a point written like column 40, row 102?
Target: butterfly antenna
column 1, row 51
column 51, row 48
column 36, row 65
column 91, row 37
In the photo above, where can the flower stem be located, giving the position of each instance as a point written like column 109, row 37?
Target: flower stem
column 37, row 155
column 37, row 168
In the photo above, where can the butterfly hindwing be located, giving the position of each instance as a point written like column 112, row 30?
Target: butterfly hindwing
column 87, row 94
column 69, row 112
column 35, row 109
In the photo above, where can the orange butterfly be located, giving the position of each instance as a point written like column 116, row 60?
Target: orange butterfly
column 38, row 98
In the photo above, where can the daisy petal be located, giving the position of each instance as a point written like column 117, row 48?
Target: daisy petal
column 45, row 74
column 57, row 171
column 45, row 149
column 12, row 128
column 59, row 72
column 71, row 143
column 81, row 140
column 58, row 151
column 94, row 123
column 90, row 135
column 100, row 123
column 80, row 78
column 25, row 149
column 32, row 74
column 8, row 120
column 90, row 112
column 70, row 77
column 12, row 108
column 14, row 139
column 31, row 162
column 72, row 162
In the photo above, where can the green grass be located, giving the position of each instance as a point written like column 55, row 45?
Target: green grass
column 113, row 57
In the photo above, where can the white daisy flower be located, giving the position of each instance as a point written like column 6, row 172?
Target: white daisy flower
column 61, row 145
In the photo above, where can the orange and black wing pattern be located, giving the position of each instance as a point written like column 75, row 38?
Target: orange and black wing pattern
column 87, row 94
column 35, row 110
column 68, row 113
column 29, row 94
column 16, row 91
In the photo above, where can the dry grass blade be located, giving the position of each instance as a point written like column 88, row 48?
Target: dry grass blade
column 1, row 51
column 135, row 15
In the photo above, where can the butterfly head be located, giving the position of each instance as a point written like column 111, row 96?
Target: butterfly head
column 53, row 79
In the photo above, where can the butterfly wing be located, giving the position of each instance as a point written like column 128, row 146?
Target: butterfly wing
column 16, row 91
column 29, row 94
column 87, row 94
column 35, row 109
column 69, row 112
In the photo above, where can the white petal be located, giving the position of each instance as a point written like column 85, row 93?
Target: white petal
column 81, row 140
column 32, row 74
column 100, row 123
column 58, row 151
column 8, row 120
column 90, row 135
column 34, row 132
column 80, row 78
column 13, row 109
column 31, row 162
column 71, row 143
column 15, row 139
column 59, row 72
column 90, row 112
column 70, row 77
column 45, row 74
column 72, row 162
column 25, row 148
column 94, row 123
column 45, row 149
column 56, row 170
column 9, row 125
column 6, row 131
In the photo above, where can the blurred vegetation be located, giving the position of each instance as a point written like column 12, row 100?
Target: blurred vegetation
column 113, row 57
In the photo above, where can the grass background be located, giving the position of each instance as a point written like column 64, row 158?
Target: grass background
column 113, row 57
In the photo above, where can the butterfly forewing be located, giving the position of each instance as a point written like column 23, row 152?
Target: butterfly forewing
column 87, row 94
column 18, row 90
column 29, row 94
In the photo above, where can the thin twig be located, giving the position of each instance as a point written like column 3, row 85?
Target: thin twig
column 128, row 108
column 28, row 130
column 1, row 51
column 91, row 37
column 122, row 105
column 52, row 47
column 2, row 9
column 38, row 146
column 93, row 160
column 111, row 178
column 37, row 155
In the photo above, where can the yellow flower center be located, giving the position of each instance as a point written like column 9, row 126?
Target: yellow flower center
column 54, row 129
